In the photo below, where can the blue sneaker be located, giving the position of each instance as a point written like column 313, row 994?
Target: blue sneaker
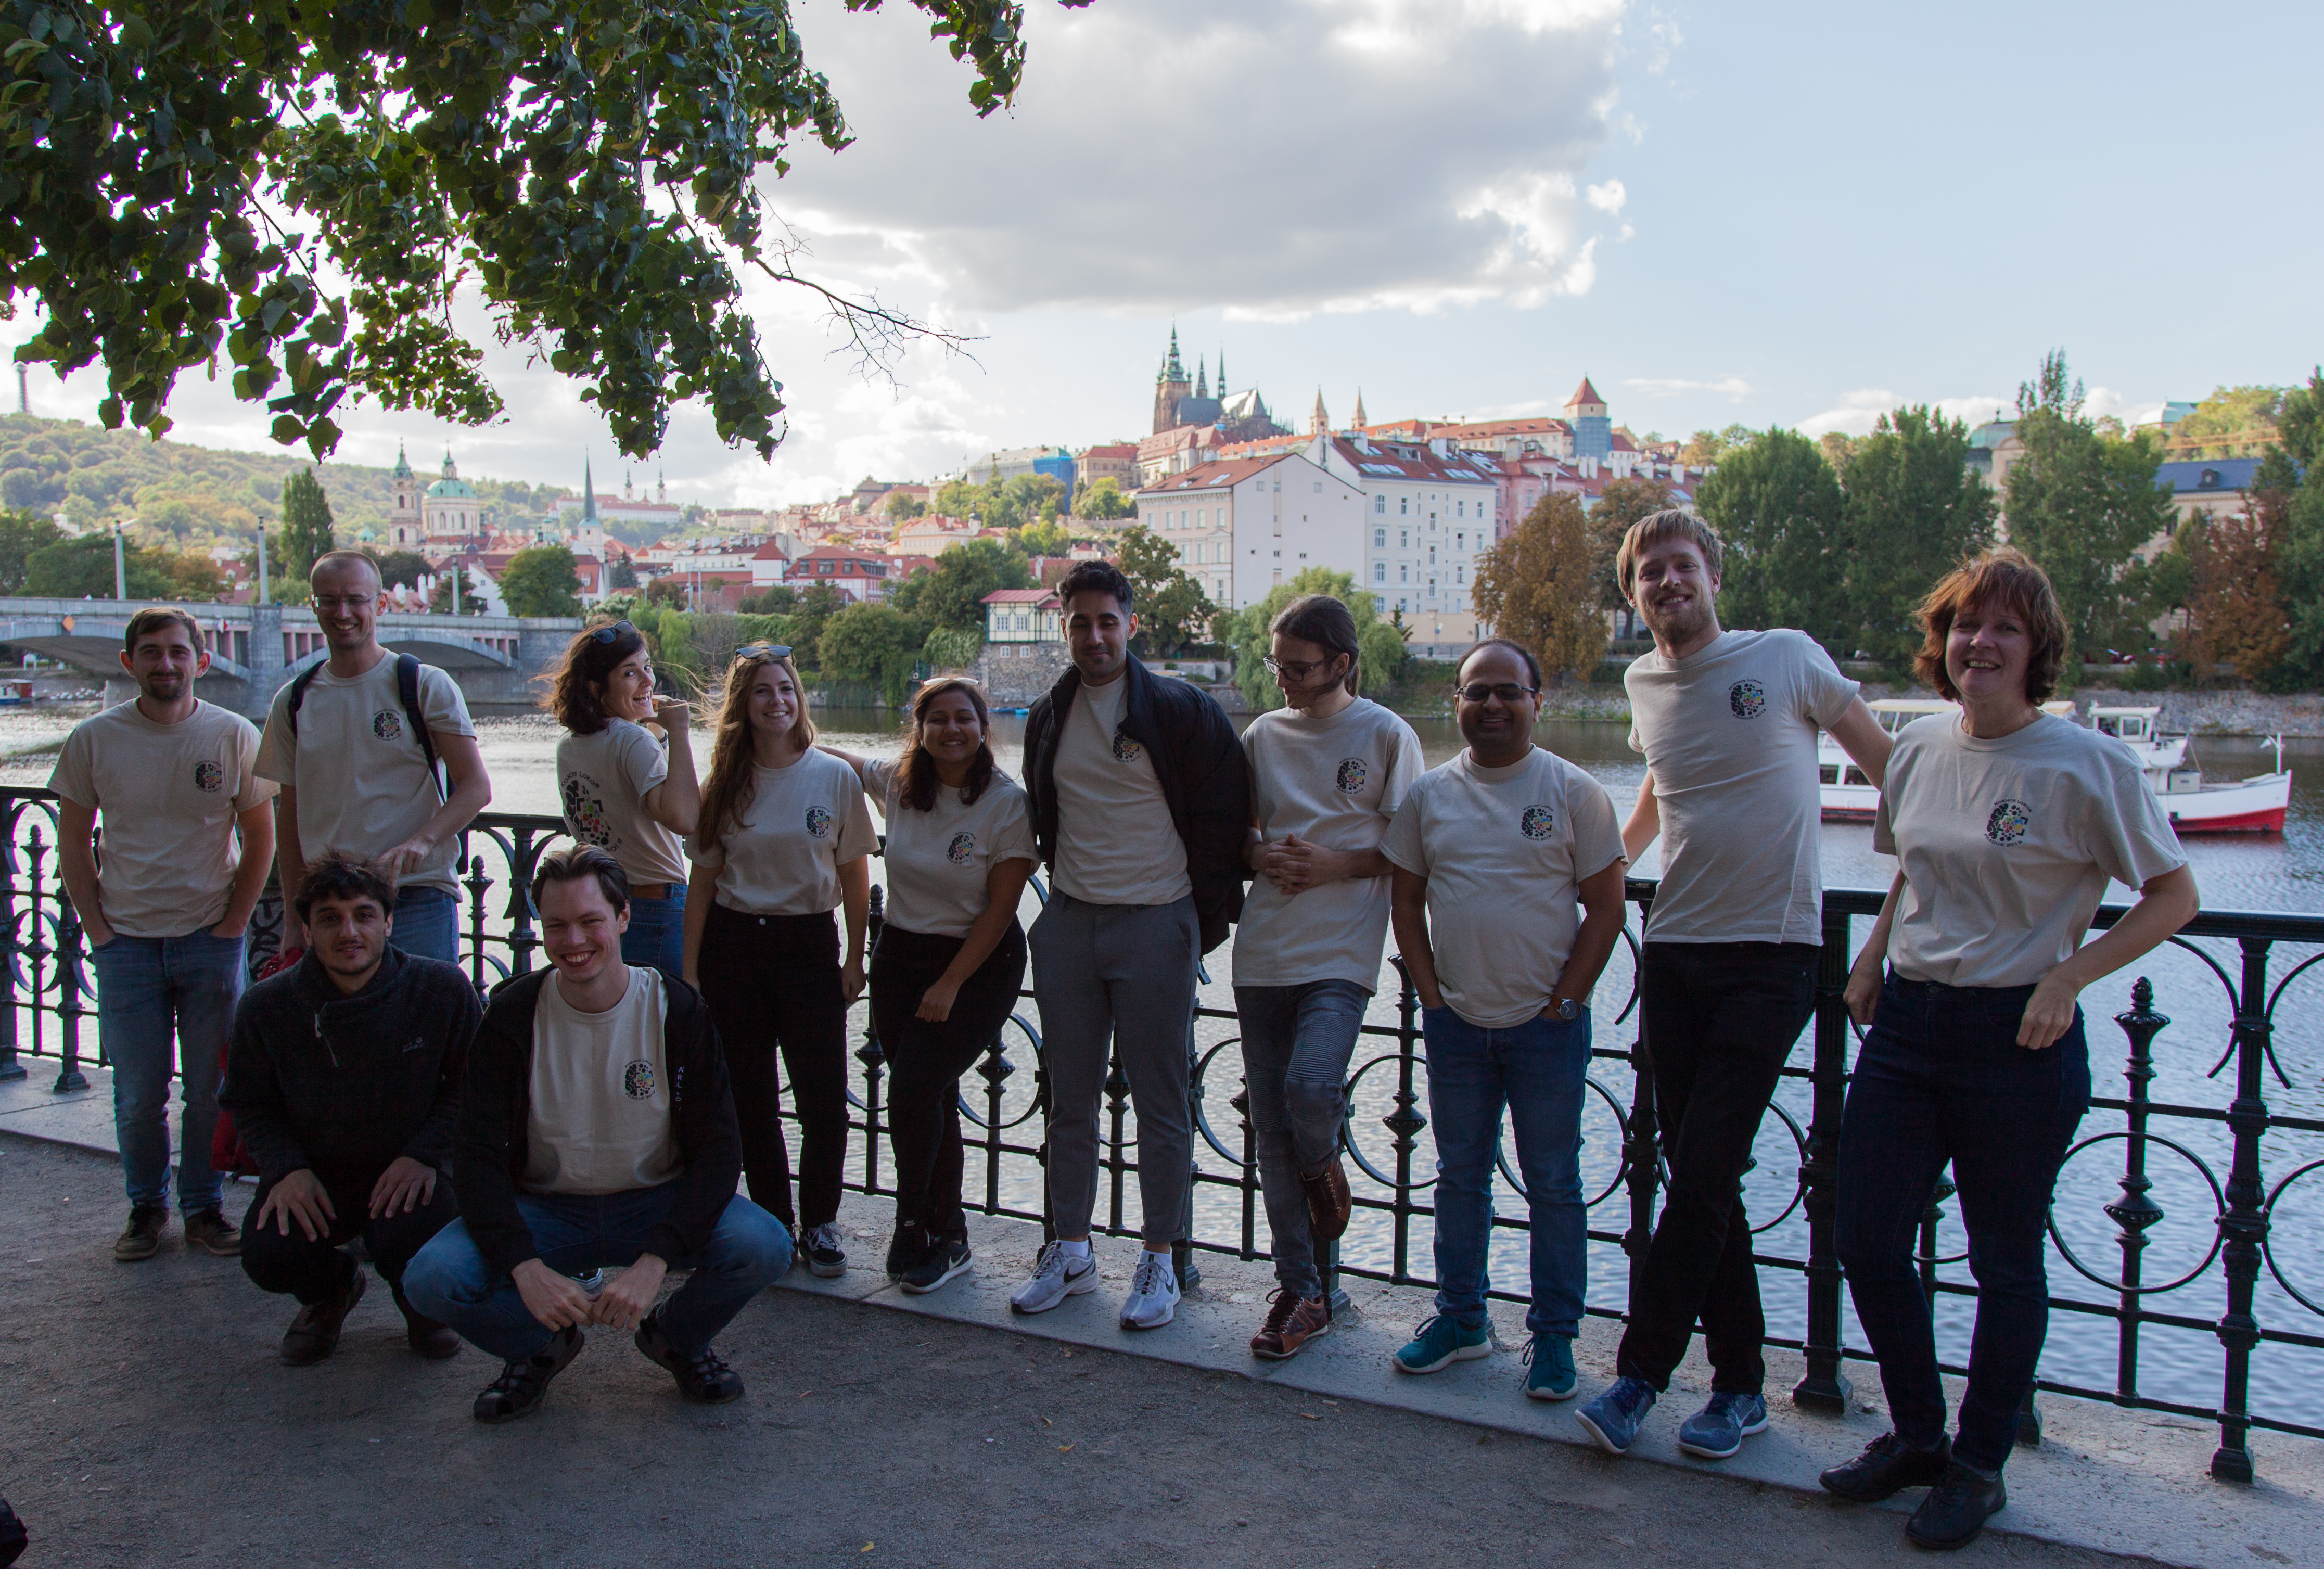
column 1549, row 1376
column 1719, row 1429
column 1439, row 1342
column 1613, row 1417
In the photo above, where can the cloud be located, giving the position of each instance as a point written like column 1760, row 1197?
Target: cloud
column 1734, row 389
column 1856, row 412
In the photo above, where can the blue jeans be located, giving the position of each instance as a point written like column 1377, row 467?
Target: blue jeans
column 1941, row 1077
column 428, row 924
column 1296, row 1041
column 450, row 1280
column 1537, row 1072
column 148, row 989
column 657, row 934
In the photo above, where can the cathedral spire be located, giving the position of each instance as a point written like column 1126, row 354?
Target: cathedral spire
column 1360, row 421
column 1319, row 423
column 1201, row 381
column 1177, row 366
column 588, row 492
column 1222, row 375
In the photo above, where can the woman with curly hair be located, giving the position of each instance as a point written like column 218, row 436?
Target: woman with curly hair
column 782, row 842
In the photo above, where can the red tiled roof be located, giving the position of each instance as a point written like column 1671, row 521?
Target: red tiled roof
column 1417, row 460
column 1033, row 597
column 1584, row 393
column 1213, row 476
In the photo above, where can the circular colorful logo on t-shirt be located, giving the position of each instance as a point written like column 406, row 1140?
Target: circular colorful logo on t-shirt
column 1536, row 822
column 962, row 850
column 2009, row 822
column 1748, row 698
column 1124, row 749
column 209, row 775
column 638, row 1081
column 387, row 724
column 1352, row 775
column 818, row 823
column 586, row 813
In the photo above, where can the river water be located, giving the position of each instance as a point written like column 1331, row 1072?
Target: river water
column 2270, row 874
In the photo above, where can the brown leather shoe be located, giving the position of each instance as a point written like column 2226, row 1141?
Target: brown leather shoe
column 212, row 1231
column 425, row 1337
column 141, row 1238
column 314, row 1335
column 1329, row 1202
column 1292, row 1321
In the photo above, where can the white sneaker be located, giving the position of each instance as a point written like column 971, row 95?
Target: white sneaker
column 1153, row 1300
column 1058, row 1275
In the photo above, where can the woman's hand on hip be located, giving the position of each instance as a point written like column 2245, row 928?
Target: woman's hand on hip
column 2048, row 1013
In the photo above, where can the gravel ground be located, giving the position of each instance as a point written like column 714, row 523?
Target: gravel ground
column 149, row 1423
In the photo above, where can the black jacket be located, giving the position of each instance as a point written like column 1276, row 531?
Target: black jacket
column 496, row 1113
column 343, row 1084
column 1199, row 761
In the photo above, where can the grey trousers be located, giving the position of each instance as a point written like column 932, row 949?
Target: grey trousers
column 1117, row 975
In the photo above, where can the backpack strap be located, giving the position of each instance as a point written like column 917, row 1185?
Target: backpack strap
column 298, row 685
column 407, row 689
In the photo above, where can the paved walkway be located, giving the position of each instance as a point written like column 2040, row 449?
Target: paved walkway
column 1055, row 1439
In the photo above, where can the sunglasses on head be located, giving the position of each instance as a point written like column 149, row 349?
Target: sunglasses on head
column 606, row 634
column 763, row 651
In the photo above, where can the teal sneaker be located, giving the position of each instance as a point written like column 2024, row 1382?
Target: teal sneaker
column 1549, row 1368
column 1439, row 1342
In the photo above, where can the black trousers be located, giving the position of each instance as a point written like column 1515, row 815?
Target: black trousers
column 1719, row 1020
column 312, row 1269
column 772, row 984
column 926, row 1061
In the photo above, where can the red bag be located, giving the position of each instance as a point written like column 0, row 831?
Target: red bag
column 229, row 1157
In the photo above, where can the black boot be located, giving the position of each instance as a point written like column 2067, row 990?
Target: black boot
column 703, row 1376
column 520, row 1385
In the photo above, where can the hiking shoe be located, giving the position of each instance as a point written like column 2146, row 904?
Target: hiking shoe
column 425, row 1337
column 1887, row 1466
column 1719, row 1429
column 1439, row 1342
column 819, row 1246
column 141, row 1238
column 1329, row 1202
column 1549, row 1368
column 521, row 1384
column 947, row 1258
column 314, row 1335
column 209, row 1229
column 1057, row 1276
column 1153, row 1300
column 1292, row 1321
column 704, row 1376
column 1957, row 1507
column 1613, row 1417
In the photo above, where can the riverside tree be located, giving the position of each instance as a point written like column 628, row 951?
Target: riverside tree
column 1537, row 585
column 1380, row 656
column 304, row 190
column 1911, row 509
column 1777, row 506
column 305, row 523
column 541, row 580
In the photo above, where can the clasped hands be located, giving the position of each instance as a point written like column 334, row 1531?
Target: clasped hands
column 559, row 1304
column 1294, row 865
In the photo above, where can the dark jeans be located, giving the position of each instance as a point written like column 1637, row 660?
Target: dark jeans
column 153, row 994
column 772, row 982
column 1718, row 1020
column 1297, row 1042
column 428, row 924
column 312, row 1269
column 926, row 1060
column 1941, row 1077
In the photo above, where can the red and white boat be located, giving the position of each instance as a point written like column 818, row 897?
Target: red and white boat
column 2250, row 805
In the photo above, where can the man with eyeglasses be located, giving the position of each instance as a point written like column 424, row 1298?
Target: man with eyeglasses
column 1493, row 852
column 1728, row 722
column 354, row 743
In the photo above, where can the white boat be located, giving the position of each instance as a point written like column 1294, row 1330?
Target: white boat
column 2251, row 805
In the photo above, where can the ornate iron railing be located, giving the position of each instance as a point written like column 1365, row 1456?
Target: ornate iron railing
column 2239, row 1295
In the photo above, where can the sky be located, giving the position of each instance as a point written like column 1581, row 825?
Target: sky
column 1787, row 213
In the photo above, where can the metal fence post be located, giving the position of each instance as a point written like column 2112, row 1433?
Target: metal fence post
column 10, row 1068
column 2244, row 1228
column 1826, row 1388
column 873, row 1058
column 2135, row 1212
column 1405, row 1121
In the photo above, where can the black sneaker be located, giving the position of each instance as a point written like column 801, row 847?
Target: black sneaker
column 819, row 1246
column 520, row 1385
column 1887, row 1466
column 704, row 1376
column 211, row 1231
column 1956, row 1508
column 948, row 1257
column 141, row 1238
column 911, row 1240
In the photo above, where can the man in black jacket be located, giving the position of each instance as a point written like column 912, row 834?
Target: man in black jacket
column 1142, row 803
column 343, row 1077
column 598, row 1132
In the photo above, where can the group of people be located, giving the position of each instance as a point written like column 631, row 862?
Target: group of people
column 705, row 937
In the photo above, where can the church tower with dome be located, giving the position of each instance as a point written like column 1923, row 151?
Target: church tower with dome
column 403, row 525
column 451, row 516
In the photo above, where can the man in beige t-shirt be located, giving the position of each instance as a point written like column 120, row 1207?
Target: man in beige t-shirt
column 171, row 777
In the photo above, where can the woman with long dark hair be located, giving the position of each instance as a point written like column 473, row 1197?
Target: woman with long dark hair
column 951, row 955
column 783, row 840
column 625, row 778
column 2007, row 825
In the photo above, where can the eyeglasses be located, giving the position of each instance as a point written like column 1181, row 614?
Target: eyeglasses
column 1506, row 691
column 1297, row 669
column 606, row 634
column 343, row 601
column 763, row 651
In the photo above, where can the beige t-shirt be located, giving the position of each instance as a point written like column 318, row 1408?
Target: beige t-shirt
column 600, row 1121
column 937, row 860
column 1729, row 734
column 602, row 780
column 801, row 825
column 2007, row 845
column 1335, row 782
column 362, row 780
column 166, row 796
column 1116, row 843
column 1504, row 851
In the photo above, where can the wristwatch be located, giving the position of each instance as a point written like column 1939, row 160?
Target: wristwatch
column 1567, row 1009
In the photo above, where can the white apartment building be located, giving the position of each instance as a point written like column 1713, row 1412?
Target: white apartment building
column 1429, row 513
column 1242, row 527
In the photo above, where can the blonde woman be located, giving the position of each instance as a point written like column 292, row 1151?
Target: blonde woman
column 783, row 840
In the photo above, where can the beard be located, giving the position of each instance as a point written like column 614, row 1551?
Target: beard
column 1677, row 623
column 162, row 687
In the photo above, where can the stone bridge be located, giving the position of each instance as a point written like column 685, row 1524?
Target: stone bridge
column 254, row 649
